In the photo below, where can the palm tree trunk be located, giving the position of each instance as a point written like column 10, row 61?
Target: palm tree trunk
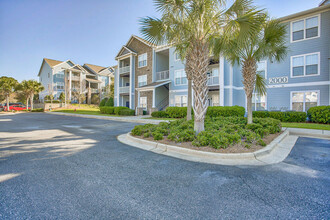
column 27, row 103
column 7, row 100
column 31, row 100
column 249, row 71
column 189, row 100
column 199, row 66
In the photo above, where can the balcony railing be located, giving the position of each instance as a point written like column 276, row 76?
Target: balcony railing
column 75, row 78
column 124, row 89
column 125, row 69
column 162, row 75
column 213, row 81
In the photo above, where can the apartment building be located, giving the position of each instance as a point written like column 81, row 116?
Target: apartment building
column 73, row 79
column 152, row 77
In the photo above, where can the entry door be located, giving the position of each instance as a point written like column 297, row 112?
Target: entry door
column 127, row 104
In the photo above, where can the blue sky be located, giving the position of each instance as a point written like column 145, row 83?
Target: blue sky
column 84, row 31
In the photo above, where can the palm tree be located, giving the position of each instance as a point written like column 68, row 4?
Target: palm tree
column 190, row 25
column 266, row 41
column 7, row 86
column 25, row 88
column 36, row 88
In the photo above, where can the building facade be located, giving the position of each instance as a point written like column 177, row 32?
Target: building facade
column 152, row 77
column 73, row 79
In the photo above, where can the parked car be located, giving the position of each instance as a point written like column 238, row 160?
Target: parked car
column 16, row 107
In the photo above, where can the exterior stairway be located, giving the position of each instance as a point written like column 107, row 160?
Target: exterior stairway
column 163, row 104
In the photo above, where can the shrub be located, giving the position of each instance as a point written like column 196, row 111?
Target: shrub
column 127, row 112
column 118, row 109
column 282, row 116
column 102, row 103
column 159, row 114
column 54, row 101
column 37, row 110
column 225, row 111
column 137, row 130
column 157, row 135
column 176, row 112
column 107, row 110
column 109, row 102
column 319, row 114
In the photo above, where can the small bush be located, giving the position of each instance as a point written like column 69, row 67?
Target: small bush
column 37, row 110
column 159, row 114
column 225, row 111
column 157, row 135
column 102, row 103
column 319, row 114
column 118, row 109
column 176, row 112
column 127, row 112
column 107, row 110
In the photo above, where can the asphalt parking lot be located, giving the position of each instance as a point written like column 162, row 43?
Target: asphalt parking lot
column 62, row 167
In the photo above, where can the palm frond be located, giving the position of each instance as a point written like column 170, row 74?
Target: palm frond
column 260, row 85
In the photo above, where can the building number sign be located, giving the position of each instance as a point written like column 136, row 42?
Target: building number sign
column 278, row 80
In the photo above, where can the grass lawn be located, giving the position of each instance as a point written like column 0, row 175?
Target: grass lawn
column 92, row 111
column 306, row 125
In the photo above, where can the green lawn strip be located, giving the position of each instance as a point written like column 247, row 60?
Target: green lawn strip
column 86, row 112
column 165, row 119
column 306, row 125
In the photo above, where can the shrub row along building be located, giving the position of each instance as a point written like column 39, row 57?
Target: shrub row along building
column 151, row 77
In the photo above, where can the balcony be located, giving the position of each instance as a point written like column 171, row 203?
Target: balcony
column 124, row 69
column 124, row 89
column 94, row 90
column 212, row 81
column 162, row 75
column 75, row 78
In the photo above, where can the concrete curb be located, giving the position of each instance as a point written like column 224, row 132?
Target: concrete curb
column 123, row 119
column 310, row 133
column 275, row 152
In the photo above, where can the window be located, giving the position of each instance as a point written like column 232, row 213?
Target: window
column 213, row 76
column 48, row 75
column 305, row 28
column 305, row 65
column 142, row 80
column 143, row 102
column 180, row 100
column 302, row 101
column 176, row 56
column 142, row 60
column 180, row 77
column 59, row 86
column 262, row 68
column 258, row 102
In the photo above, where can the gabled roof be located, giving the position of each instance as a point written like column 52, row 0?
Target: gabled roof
column 95, row 68
column 51, row 62
column 142, row 40
column 319, row 9
column 324, row 2
column 129, row 51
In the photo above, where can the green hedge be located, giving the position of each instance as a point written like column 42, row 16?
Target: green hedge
column 176, row 112
column 37, row 110
column 127, row 112
column 112, row 110
column 54, row 101
column 319, row 114
column 282, row 116
column 159, row 114
column 102, row 103
column 225, row 111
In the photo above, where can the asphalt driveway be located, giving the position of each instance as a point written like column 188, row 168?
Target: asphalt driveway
column 61, row 167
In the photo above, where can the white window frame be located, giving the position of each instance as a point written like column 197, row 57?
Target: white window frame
column 266, row 67
column 304, row 55
column 304, row 19
column 304, row 101
column 255, row 104
column 181, row 84
column 59, row 84
column 181, row 98
column 146, row 101
column 140, row 81
column 175, row 57
column 146, row 59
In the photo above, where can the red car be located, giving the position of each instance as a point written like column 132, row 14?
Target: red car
column 16, row 108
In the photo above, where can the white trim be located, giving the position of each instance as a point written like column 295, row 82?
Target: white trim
column 304, row 55
column 139, row 100
column 178, row 90
column 255, row 104
column 181, row 103
column 180, row 77
column 142, row 60
column 159, row 49
column 231, row 80
column 175, row 59
column 234, row 87
column 304, row 19
column 319, row 83
column 304, row 101
column 130, row 81
column 152, row 87
column 146, row 81
column 221, row 81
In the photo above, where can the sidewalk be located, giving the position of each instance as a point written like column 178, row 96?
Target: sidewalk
column 134, row 119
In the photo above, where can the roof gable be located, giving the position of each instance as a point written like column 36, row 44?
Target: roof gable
column 124, row 51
